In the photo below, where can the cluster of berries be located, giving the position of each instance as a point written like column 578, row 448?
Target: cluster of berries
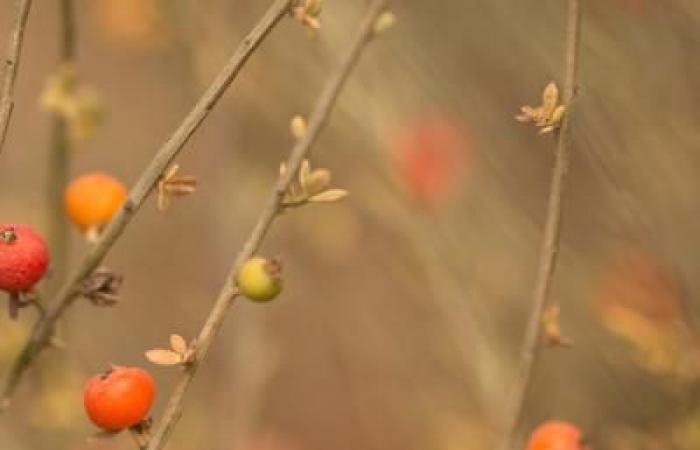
column 121, row 397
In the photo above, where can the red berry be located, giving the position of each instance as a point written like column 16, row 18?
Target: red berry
column 556, row 435
column 119, row 398
column 432, row 156
column 24, row 258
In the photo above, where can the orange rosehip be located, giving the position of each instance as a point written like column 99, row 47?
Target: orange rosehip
column 556, row 435
column 91, row 200
column 119, row 398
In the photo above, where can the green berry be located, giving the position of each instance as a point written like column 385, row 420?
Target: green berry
column 259, row 279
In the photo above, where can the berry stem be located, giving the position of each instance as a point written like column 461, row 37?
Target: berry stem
column 550, row 241
column 270, row 211
column 70, row 290
column 11, row 64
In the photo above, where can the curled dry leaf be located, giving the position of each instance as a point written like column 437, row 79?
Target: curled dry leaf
column 102, row 287
column 163, row 357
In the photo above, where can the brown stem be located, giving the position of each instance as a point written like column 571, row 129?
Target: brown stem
column 271, row 209
column 11, row 63
column 59, row 159
column 149, row 178
column 550, row 241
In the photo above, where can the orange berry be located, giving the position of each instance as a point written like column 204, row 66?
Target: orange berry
column 556, row 435
column 640, row 282
column 119, row 398
column 91, row 200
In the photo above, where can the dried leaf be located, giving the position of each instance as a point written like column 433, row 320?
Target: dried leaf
column 331, row 195
column 283, row 168
column 313, row 7
column 385, row 21
column 558, row 114
column 163, row 357
column 178, row 344
column 318, row 181
column 163, row 201
column 171, row 171
column 298, row 127
column 550, row 98
column 551, row 327
column 181, row 186
column 527, row 114
column 307, row 12
column 304, row 173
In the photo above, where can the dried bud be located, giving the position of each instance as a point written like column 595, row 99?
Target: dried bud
column 102, row 287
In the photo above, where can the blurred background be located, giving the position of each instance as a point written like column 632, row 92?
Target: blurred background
column 404, row 305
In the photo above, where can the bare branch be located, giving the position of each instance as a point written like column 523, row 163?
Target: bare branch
column 272, row 208
column 550, row 242
column 59, row 158
column 149, row 178
column 14, row 52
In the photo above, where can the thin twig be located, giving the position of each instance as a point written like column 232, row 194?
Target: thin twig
column 550, row 242
column 149, row 178
column 271, row 209
column 59, row 159
column 14, row 52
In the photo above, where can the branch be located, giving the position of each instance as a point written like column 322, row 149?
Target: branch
column 271, row 209
column 14, row 52
column 149, row 178
column 550, row 242
column 59, row 158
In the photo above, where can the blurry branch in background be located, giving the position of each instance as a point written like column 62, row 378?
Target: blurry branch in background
column 11, row 65
column 59, row 153
column 550, row 242
column 271, row 209
column 71, row 289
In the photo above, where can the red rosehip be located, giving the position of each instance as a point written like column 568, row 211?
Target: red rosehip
column 433, row 155
column 119, row 398
column 556, row 435
column 24, row 258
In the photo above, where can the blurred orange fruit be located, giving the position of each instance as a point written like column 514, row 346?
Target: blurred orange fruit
column 640, row 303
column 637, row 280
column 433, row 155
column 137, row 23
column 556, row 435
column 91, row 200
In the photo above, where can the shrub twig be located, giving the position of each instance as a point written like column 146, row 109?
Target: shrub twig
column 11, row 64
column 550, row 241
column 271, row 209
column 70, row 290
column 59, row 159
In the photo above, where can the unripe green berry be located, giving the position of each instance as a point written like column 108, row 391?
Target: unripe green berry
column 259, row 279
